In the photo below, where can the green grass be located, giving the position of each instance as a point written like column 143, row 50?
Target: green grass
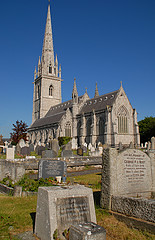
column 15, row 216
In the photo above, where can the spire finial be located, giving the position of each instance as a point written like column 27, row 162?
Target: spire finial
column 121, row 83
column 86, row 90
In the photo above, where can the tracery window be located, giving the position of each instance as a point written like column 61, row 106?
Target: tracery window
column 122, row 120
column 50, row 90
column 68, row 129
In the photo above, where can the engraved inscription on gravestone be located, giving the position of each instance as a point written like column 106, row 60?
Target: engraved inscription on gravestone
column 134, row 166
column 52, row 168
column 72, row 210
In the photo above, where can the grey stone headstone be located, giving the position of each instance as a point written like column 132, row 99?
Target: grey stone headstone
column 120, row 146
column 31, row 147
column 17, row 191
column 88, row 231
column 60, row 207
column 148, row 146
column 39, row 150
column 25, row 151
column 131, row 145
column 153, row 143
column 52, row 168
column 66, row 153
column 84, row 149
column 67, row 146
column 55, row 145
column 49, row 154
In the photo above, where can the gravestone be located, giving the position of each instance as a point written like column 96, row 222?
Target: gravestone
column 52, row 168
column 120, row 146
column 39, row 150
column 54, row 144
column 84, row 149
column 10, row 153
column 25, row 151
column 60, row 207
column 21, row 143
column 67, row 146
column 49, row 154
column 148, row 146
column 87, row 231
column 67, row 153
column 131, row 145
column 128, row 173
column 153, row 143
column 31, row 147
column 80, row 151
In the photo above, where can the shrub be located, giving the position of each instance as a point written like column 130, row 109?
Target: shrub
column 63, row 140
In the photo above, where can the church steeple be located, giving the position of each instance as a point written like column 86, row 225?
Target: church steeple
column 47, row 51
column 96, row 91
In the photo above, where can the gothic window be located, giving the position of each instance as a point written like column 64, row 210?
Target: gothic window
column 79, row 128
column 88, row 126
column 122, row 120
column 101, row 126
column 50, row 90
column 68, row 130
column 50, row 68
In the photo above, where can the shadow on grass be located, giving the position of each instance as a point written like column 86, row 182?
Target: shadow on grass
column 33, row 217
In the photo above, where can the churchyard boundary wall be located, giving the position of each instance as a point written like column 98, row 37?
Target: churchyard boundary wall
column 16, row 168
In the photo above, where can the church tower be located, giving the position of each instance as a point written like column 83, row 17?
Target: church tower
column 47, row 79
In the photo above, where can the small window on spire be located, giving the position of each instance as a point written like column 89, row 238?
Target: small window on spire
column 50, row 68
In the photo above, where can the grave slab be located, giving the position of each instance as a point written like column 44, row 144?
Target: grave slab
column 87, row 231
column 60, row 207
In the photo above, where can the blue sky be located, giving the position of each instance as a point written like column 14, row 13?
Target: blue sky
column 103, row 41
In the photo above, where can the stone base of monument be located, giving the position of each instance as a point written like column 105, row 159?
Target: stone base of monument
column 87, row 231
column 59, row 207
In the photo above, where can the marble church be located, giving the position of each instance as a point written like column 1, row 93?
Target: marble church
column 107, row 119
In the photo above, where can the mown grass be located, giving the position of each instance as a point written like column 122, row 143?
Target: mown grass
column 15, row 216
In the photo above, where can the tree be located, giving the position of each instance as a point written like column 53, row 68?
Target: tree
column 147, row 129
column 19, row 132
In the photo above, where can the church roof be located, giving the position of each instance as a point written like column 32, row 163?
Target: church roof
column 99, row 103
column 54, row 115
column 56, row 112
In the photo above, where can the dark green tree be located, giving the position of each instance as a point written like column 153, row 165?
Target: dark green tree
column 147, row 129
column 19, row 132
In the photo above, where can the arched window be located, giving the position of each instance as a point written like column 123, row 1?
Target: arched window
column 88, row 126
column 122, row 120
column 38, row 91
column 68, row 130
column 50, row 68
column 50, row 90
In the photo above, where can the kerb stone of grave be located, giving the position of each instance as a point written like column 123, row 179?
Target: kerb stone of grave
column 128, row 173
column 87, row 231
column 52, row 168
column 60, row 207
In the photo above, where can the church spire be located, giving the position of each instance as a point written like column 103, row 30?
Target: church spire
column 96, row 91
column 47, row 51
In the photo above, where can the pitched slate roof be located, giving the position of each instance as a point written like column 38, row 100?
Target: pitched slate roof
column 99, row 103
column 54, row 115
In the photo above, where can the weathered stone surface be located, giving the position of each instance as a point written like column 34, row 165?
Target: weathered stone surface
column 60, row 207
column 128, row 173
column 52, row 168
column 10, row 153
column 49, row 154
column 25, row 151
column 87, row 231
column 67, row 153
column 55, row 146
column 135, row 207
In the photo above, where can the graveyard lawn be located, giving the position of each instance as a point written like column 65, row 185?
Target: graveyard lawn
column 15, row 217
